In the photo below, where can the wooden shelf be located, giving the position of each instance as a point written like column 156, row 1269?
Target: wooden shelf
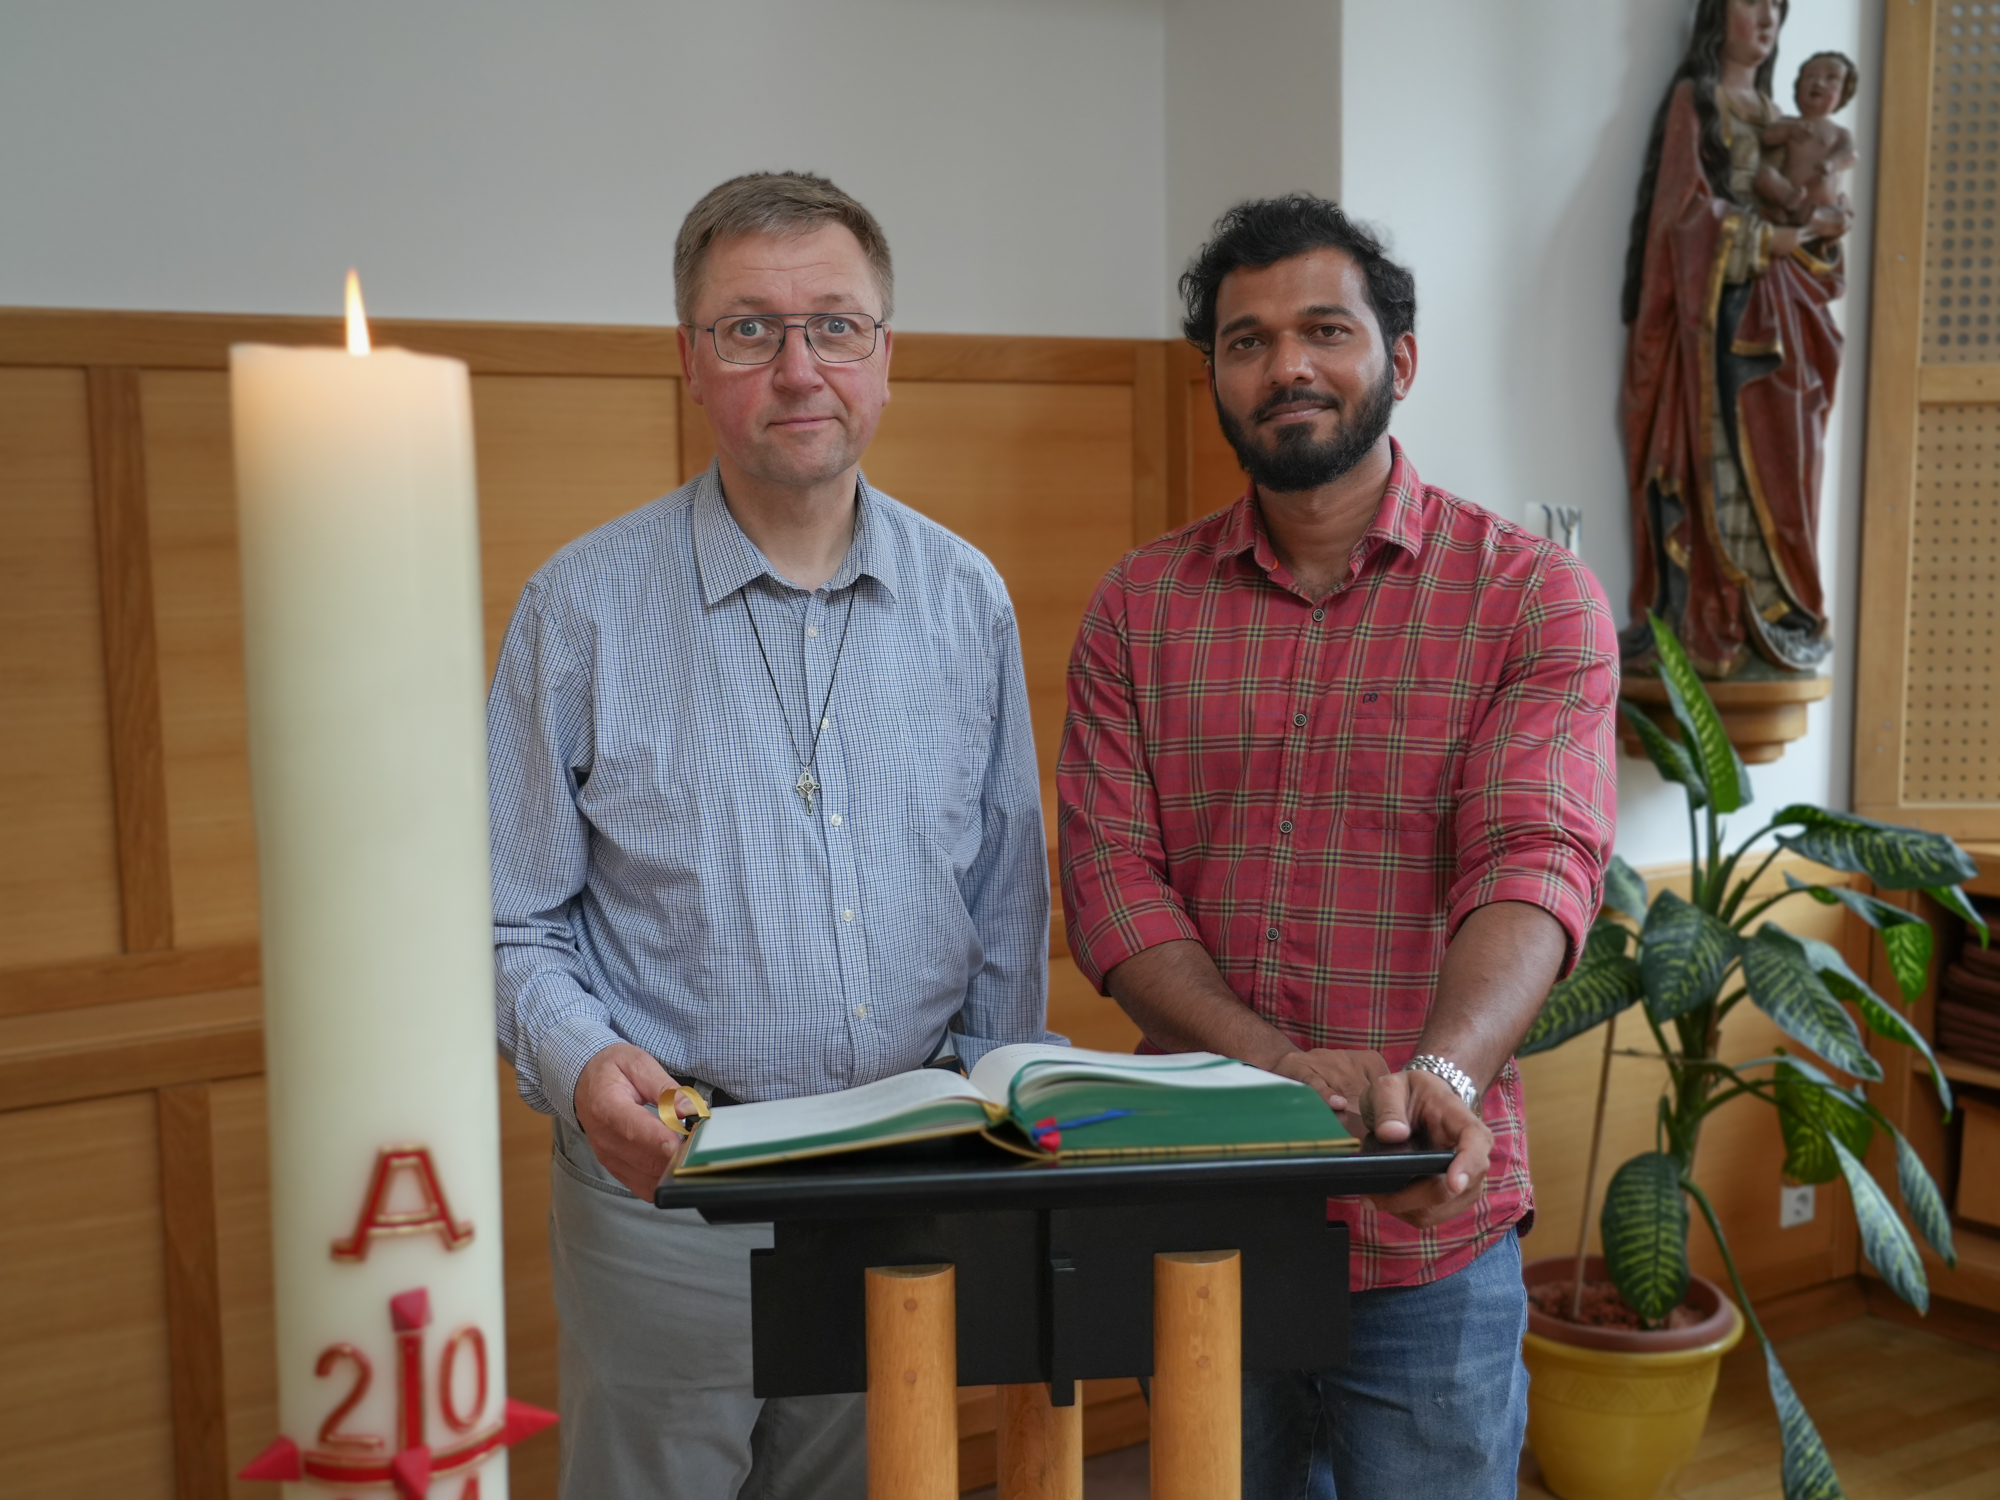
column 1958, row 1070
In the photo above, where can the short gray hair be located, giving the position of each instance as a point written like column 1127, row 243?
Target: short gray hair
column 780, row 203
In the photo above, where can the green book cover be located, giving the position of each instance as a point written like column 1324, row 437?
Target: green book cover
column 1061, row 1103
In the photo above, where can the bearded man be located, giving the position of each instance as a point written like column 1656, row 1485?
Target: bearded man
column 1336, row 799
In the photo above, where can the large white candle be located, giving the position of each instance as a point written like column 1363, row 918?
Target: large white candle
column 361, row 608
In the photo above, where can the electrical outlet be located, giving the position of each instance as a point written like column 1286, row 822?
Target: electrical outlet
column 1795, row 1204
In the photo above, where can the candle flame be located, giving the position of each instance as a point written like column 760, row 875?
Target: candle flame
column 357, row 317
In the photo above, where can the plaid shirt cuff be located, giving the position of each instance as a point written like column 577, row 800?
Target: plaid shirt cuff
column 1555, row 881
column 1109, row 938
column 564, row 1051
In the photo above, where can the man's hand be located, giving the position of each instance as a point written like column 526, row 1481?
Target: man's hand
column 1398, row 1104
column 611, row 1098
column 1341, row 1078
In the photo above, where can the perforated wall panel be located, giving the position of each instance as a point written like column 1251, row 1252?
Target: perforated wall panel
column 1949, row 750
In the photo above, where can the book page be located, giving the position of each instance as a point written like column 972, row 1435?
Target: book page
column 737, row 1127
column 994, row 1074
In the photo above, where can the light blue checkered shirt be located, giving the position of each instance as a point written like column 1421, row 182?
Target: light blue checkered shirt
column 657, row 880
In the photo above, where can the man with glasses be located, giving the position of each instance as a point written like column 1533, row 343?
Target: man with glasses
column 766, row 823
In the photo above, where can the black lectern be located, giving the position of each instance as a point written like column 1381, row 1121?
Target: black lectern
column 1054, row 1275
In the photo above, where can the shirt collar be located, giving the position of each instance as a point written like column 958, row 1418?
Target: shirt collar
column 726, row 559
column 1399, row 519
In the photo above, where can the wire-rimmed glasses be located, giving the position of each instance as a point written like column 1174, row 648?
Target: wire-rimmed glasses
column 757, row 338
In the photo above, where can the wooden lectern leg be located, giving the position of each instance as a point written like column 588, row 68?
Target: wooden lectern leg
column 1040, row 1445
column 1198, row 1376
column 912, row 1383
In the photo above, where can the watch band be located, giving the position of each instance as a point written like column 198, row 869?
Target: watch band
column 1459, row 1081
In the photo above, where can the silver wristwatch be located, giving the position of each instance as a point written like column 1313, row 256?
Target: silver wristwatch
column 1459, row 1080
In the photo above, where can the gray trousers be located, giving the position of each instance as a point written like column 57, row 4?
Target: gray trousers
column 655, row 1358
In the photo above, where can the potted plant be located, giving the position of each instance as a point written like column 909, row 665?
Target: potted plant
column 1616, row 1415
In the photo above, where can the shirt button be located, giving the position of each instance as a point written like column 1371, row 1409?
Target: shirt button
column 1319, row 614
column 861, row 1010
column 847, row 916
column 1286, row 826
column 812, row 630
column 836, row 820
column 1299, row 721
column 1271, row 934
column 826, row 723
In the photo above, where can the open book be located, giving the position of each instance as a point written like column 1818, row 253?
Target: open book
column 1057, row 1103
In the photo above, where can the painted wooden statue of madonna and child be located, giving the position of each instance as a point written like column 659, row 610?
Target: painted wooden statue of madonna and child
column 1734, row 263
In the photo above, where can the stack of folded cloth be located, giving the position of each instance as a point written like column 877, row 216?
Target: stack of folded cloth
column 1968, row 1006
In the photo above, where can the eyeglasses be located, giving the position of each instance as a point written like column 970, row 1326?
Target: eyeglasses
column 757, row 338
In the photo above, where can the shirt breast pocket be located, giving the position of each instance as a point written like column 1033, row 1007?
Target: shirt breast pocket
column 946, row 740
column 1402, row 753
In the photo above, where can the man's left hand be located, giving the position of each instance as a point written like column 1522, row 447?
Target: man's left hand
column 1398, row 1104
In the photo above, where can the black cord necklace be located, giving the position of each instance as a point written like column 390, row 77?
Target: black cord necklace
column 807, row 786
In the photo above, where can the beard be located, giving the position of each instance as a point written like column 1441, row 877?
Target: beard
column 1295, row 460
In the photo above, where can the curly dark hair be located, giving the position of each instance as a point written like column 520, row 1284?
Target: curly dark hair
column 1264, row 231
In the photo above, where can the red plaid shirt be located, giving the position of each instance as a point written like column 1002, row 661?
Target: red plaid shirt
column 1320, row 791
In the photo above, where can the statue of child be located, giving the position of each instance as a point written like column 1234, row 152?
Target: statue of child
column 1808, row 156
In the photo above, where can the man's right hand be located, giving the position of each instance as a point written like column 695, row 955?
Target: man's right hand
column 611, row 1098
column 1341, row 1078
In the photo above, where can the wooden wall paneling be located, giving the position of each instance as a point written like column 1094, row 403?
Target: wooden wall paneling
column 531, row 1309
column 59, row 857
column 131, row 664
column 1037, row 477
column 1208, row 476
column 1152, row 455
column 127, row 976
column 239, row 1141
column 85, row 1402
column 558, row 456
column 100, row 1050
column 198, row 608
column 194, row 1303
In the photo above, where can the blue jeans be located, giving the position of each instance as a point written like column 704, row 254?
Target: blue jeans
column 1431, row 1404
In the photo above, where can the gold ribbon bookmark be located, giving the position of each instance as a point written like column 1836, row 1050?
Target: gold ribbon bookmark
column 670, row 1112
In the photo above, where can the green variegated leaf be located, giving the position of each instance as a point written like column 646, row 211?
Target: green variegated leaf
column 1607, row 939
column 1884, row 1240
column 1905, row 935
column 1598, row 989
column 1625, row 889
column 1683, row 954
column 1784, row 985
column 1645, row 1225
column 1894, row 857
column 1889, row 1023
column 1812, row 1117
column 1669, row 757
column 1701, row 726
column 1922, row 1198
column 1953, row 900
column 1808, row 1470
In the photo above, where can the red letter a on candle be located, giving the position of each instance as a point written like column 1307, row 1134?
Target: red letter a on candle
column 431, row 1214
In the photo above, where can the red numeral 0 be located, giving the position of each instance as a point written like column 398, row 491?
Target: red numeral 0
column 447, row 1368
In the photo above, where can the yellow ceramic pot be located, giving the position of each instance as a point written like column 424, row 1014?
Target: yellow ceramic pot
column 1618, row 1423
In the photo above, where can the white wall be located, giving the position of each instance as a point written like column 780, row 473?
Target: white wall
column 1500, row 146
column 515, row 159
column 1042, row 166
column 1253, row 110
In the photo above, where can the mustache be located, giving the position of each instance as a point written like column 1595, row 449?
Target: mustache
column 1324, row 399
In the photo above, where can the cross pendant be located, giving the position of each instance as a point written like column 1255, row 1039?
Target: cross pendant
column 807, row 786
